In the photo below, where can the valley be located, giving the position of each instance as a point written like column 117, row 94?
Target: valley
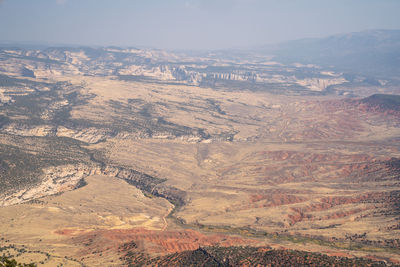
column 116, row 157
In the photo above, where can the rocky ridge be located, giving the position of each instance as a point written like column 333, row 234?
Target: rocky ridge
column 68, row 177
column 89, row 135
column 156, row 65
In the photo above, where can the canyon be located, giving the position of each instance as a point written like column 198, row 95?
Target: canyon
column 122, row 156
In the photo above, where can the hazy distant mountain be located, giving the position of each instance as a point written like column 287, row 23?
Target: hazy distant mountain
column 368, row 52
column 372, row 52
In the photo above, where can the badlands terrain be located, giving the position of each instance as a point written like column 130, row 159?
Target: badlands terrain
column 123, row 156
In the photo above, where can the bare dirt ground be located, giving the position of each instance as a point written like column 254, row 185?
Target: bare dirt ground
column 316, row 173
column 105, row 203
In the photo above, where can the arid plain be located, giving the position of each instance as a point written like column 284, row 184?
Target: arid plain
column 158, row 166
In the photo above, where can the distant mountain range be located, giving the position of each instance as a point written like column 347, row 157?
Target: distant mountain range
column 335, row 64
column 367, row 52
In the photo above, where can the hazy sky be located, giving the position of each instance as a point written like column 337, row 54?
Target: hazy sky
column 190, row 24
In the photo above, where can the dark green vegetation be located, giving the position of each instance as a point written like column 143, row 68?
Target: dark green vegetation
column 39, row 103
column 150, row 185
column 350, row 243
column 138, row 116
column 7, row 262
column 6, row 81
column 50, row 104
column 22, row 159
column 245, row 256
column 9, row 252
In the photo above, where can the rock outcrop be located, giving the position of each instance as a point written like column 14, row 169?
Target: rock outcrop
column 68, row 177
column 89, row 135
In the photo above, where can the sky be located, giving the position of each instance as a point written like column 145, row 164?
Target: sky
column 189, row 24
